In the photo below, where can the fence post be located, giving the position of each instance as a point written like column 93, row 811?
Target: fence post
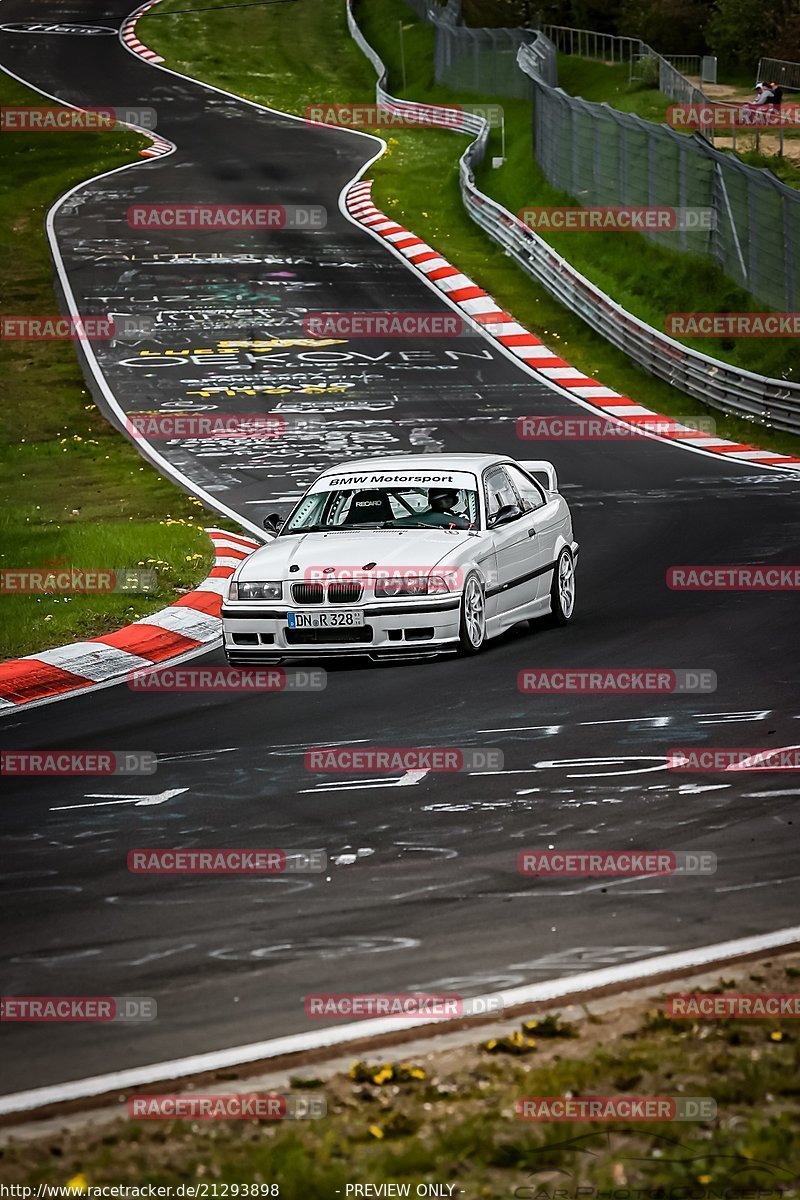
column 788, row 255
column 682, row 197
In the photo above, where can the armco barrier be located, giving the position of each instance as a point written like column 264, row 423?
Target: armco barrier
column 774, row 403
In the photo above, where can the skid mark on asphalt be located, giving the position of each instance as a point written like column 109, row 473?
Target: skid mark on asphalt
column 455, row 884
column 324, row 948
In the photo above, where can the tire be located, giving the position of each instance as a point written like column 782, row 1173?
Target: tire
column 562, row 590
column 472, row 617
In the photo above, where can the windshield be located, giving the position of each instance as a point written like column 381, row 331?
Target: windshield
column 398, row 507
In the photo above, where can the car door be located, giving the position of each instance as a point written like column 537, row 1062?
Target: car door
column 547, row 521
column 514, row 543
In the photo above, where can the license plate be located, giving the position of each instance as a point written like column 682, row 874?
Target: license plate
column 346, row 619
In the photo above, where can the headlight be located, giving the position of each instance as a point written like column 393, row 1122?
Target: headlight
column 255, row 591
column 415, row 585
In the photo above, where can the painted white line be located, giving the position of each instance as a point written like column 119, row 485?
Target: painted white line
column 140, row 800
column 549, row 990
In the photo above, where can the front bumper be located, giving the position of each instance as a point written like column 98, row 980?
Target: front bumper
column 394, row 628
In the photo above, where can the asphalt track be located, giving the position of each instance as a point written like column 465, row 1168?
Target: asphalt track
column 422, row 890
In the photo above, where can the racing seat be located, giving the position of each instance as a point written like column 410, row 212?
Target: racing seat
column 368, row 508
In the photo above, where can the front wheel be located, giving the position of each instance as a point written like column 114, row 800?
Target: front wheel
column 472, row 621
column 562, row 591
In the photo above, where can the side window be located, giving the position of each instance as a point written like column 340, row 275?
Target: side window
column 529, row 491
column 499, row 492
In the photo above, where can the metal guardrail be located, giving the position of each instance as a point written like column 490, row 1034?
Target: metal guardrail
column 774, row 403
column 787, row 74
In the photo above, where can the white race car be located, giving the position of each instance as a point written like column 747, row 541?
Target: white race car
column 411, row 556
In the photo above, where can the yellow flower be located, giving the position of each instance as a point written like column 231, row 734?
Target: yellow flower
column 382, row 1075
column 776, row 1036
column 376, row 1131
column 417, row 1073
column 78, row 1183
column 704, row 1179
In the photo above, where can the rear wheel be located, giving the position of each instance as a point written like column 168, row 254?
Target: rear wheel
column 472, row 622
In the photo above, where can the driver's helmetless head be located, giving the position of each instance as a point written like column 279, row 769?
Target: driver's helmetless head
column 442, row 499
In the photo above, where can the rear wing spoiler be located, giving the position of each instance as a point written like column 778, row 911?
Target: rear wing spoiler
column 540, row 467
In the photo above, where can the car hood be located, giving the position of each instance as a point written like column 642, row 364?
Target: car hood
column 286, row 557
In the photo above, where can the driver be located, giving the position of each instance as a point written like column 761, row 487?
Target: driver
column 440, row 510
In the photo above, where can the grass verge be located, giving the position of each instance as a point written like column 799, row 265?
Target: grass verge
column 451, row 1117
column 256, row 53
column 73, row 491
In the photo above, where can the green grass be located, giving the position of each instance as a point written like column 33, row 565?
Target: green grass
column 598, row 81
column 177, row 552
column 451, row 1118
column 787, row 169
column 257, row 53
column 71, row 488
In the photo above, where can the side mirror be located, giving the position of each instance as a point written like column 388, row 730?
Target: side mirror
column 508, row 512
column 273, row 522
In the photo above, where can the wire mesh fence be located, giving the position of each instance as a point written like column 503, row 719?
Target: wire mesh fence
column 420, row 7
column 772, row 402
column 605, row 157
column 601, row 156
column 479, row 60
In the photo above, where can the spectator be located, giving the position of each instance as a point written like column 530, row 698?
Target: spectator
column 763, row 96
column 755, row 112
